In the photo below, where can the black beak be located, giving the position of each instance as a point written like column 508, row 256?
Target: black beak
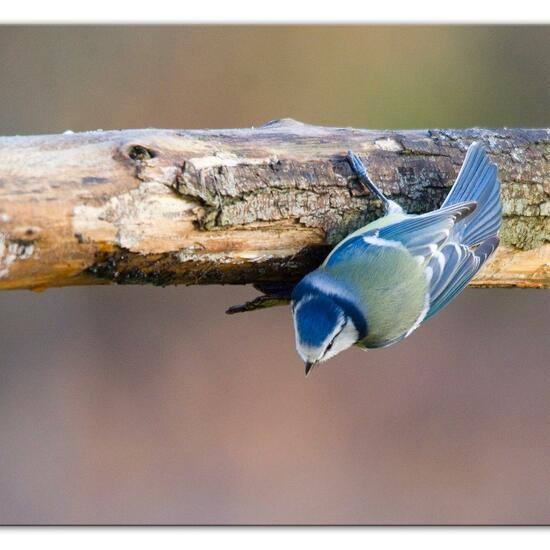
column 309, row 366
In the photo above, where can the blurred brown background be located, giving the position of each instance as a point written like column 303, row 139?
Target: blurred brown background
column 149, row 405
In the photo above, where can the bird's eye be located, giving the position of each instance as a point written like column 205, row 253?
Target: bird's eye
column 331, row 343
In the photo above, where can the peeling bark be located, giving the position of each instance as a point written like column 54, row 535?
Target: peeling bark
column 243, row 206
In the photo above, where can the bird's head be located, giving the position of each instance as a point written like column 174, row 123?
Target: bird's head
column 326, row 321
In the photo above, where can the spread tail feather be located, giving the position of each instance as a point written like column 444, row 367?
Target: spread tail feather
column 477, row 181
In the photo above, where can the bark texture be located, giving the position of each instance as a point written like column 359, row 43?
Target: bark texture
column 254, row 205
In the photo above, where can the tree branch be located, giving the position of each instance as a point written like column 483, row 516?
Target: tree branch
column 242, row 206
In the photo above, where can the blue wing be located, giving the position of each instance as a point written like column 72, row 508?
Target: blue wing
column 436, row 240
column 421, row 235
column 452, row 267
column 433, row 238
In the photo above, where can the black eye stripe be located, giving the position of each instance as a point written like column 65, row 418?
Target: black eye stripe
column 331, row 343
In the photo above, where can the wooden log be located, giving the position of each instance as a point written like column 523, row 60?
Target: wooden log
column 243, row 206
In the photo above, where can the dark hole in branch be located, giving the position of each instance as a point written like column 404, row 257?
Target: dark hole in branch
column 138, row 152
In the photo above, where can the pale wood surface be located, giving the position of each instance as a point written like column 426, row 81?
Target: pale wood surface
column 243, row 206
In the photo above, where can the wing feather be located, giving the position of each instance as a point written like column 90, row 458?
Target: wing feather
column 460, row 266
column 433, row 239
column 421, row 235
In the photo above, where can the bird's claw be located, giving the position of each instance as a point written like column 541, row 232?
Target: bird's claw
column 261, row 302
column 273, row 294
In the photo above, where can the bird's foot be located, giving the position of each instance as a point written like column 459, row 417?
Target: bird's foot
column 359, row 170
column 274, row 294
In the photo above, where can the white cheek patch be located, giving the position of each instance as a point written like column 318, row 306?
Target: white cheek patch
column 343, row 338
column 347, row 337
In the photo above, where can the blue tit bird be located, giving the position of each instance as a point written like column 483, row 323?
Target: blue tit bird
column 384, row 280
